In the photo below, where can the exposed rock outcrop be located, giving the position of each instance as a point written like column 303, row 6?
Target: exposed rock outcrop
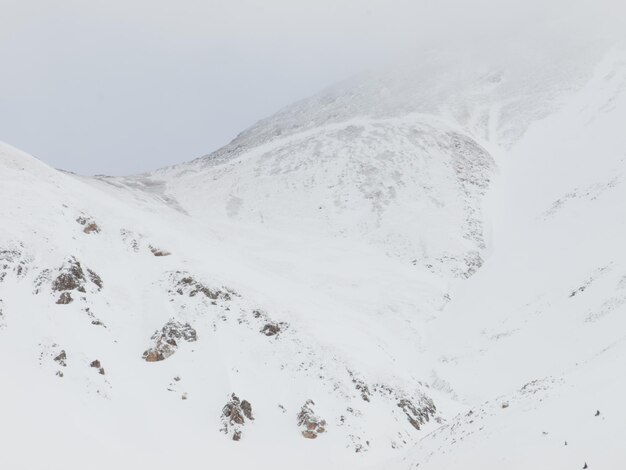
column 94, row 278
column 185, row 284
column 72, row 277
column 417, row 407
column 311, row 424
column 65, row 298
column 167, row 339
column 271, row 329
column 234, row 416
column 417, row 414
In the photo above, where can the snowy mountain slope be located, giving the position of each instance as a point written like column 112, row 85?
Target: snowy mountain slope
column 370, row 286
column 83, row 338
column 492, row 101
column 550, row 301
column 358, row 180
column 83, row 229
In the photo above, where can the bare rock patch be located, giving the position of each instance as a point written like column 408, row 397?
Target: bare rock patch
column 89, row 225
column 311, row 424
column 167, row 339
column 65, row 298
column 61, row 358
column 235, row 414
column 417, row 414
column 158, row 251
column 71, row 277
column 97, row 365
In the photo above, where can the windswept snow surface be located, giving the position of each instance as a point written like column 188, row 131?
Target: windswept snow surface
column 399, row 273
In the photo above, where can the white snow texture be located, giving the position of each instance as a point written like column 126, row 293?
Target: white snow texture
column 415, row 269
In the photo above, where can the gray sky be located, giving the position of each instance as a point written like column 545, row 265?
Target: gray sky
column 124, row 86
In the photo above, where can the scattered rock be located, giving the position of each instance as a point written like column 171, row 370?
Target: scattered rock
column 53, row 352
column 13, row 260
column 158, row 252
column 166, row 340
column 96, row 365
column 358, row 447
column 131, row 239
column 270, row 327
column 89, row 225
column 361, row 387
column 577, row 291
column 94, row 320
column 61, row 358
column 536, row 386
column 43, row 278
column 307, row 419
column 93, row 277
column 185, row 284
column 505, row 404
column 597, row 413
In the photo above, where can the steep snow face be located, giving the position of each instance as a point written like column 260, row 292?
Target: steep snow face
column 543, row 324
column 352, row 283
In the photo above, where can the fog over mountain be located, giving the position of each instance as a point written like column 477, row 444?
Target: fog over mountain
column 112, row 87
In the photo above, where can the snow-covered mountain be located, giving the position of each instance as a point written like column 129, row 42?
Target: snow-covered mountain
column 422, row 267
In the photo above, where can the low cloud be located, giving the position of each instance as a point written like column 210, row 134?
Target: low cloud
column 126, row 86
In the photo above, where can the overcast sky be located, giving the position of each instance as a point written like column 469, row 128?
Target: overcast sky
column 125, row 86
